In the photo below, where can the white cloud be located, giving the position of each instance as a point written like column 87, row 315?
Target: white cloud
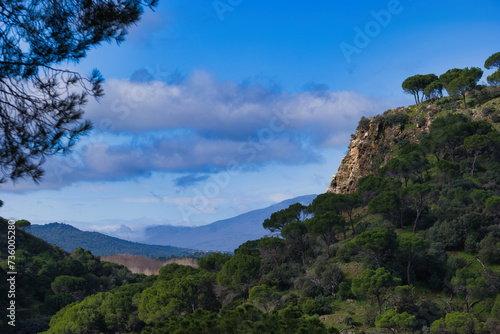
column 201, row 125
column 225, row 109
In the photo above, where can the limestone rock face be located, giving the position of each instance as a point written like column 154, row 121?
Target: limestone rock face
column 371, row 147
column 377, row 139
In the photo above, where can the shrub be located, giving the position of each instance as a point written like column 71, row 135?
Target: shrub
column 364, row 124
column 489, row 251
column 488, row 110
column 344, row 292
column 495, row 118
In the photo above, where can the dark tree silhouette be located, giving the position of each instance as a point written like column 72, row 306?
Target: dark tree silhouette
column 41, row 102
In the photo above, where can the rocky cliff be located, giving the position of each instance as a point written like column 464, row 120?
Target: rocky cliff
column 378, row 138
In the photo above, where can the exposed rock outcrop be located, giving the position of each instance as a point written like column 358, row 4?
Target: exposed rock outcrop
column 370, row 148
column 377, row 139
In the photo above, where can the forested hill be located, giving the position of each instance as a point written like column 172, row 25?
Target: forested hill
column 48, row 279
column 69, row 238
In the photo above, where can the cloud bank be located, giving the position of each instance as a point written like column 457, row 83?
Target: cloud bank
column 199, row 125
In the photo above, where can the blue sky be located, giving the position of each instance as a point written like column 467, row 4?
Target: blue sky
column 215, row 108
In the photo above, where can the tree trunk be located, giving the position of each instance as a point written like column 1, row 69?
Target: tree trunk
column 416, row 221
column 379, row 305
column 408, row 271
column 465, row 103
column 352, row 222
column 476, row 154
column 327, row 245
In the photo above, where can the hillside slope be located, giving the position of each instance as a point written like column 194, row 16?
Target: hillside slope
column 46, row 279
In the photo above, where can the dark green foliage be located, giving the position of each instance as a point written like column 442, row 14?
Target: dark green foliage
column 54, row 303
column 344, row 291
column 488, row 110
column 176, row 296
column 395, row 321
column 364, row 124
column 174, row 270
column 369, row 186
column 330, row 279
column 392, row 119
column 272, row 251
column 280, row 219
column 457, row 322
column 245, row 319
column 494, row 78
column 495, row 310
column 213, row 262
column 472, row 286
column 346, row 251
column 376, row 244
column 326, row 225
column 434, row 91
column 309, row 288
column 283, row 277
column 295, row 234
column 239, row 272
column 482, row 94
column 22, row 223
column 374, row 284
column 263, row 297
column 420, row 197
column 489, row 249
column 493, row 61
column 417, row 84
column 495, row 118
column 49, row 278
column 315, row 306
column 340, row 204
column 110, row 312
column 459, row 81
column 411, row 163
column 389, row 204
column 410, row 248
column 75, row 286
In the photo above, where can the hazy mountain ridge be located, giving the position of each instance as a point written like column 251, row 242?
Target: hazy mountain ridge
column 70, row 238
column 167, row 240
column 222, row 235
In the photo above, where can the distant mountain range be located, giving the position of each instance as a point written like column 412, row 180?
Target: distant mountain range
column 223, row 235
column 70, row 238
column 166, row 240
